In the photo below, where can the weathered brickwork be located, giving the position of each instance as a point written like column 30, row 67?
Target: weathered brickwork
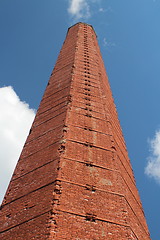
column 74, row 179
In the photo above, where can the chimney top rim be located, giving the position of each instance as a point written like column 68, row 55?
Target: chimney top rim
column 83, row 23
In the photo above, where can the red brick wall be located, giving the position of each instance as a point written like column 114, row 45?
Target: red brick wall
column 74, row 179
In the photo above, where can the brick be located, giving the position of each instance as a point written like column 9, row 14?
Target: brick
column 82, row 152
column 36, row 160
column 86, row 173
column 78, row 228
column 34, row 229
column 27, row 207
column 81, row 201
column 32, row 181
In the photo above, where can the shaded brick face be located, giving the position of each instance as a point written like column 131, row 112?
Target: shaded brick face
column 74, row 179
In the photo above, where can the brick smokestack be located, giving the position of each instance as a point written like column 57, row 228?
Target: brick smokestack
column 74, row 179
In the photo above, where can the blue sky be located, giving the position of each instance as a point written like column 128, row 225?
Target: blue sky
column 32, row 33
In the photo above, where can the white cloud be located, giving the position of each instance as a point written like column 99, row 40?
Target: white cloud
column 79, row 9
column 153, row 166
column 15, row 120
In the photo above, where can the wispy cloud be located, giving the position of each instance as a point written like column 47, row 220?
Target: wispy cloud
column 153, row 166
column 103, row 10
column 15, row 120
column 108, row 44
column 79, row 9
